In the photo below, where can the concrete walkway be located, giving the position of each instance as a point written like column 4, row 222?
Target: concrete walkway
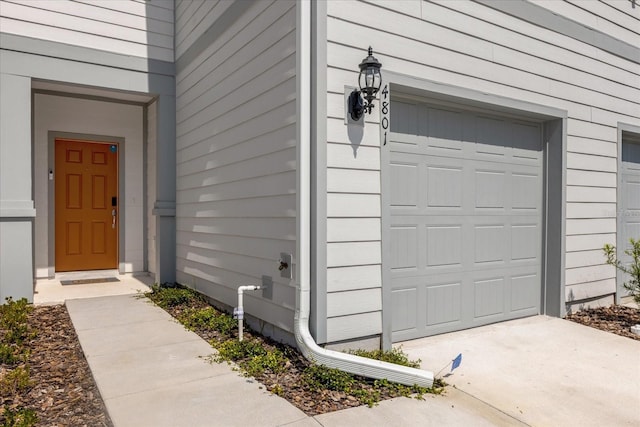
column 538, row 371
column 150, row 372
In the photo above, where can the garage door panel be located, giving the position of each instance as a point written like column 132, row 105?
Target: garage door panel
column 631, row 194
column 405, row 118
column 444, row 303
column 404, row 184
column 490, row 189
column 489, row 297
column 404, row 247
column 444, row 196
column 467, row 250
column 444, row 245
column 525, row 191
column 445, row 129
column 526, row 141
column 490, row 244
column 525, row 293
column 493, row 137
column 405, row 320
column 631, row 155
column 523, row 237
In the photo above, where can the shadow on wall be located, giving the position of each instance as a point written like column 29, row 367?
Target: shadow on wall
column 355, row 132
column 585, row 303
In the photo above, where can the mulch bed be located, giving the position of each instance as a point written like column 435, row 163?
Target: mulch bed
column 616, row 319
column 65, row 394
column 63, row 391
column 290, row 384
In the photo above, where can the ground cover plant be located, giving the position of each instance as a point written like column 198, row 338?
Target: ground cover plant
column 44, row 377
column 281, row 369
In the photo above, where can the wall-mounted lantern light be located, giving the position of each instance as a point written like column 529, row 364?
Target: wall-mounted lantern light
column 369, row 81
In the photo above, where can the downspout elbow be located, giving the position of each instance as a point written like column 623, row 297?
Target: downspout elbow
column 353, row 364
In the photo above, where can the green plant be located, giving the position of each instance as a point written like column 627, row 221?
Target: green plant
column 170, row 297
column 272, row 361
column 395, row 355
column 277, row 390
column 20, row 417
column 7, row 354
column 14, row 320
column 14, row 380
column 10, row 354
column 320, row 376
column 369, row 397
column 208, row 318
column 233, row 350
column 633, row 269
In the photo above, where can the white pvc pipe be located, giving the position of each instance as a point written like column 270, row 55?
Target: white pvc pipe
column 307, row 345
column 239, row 311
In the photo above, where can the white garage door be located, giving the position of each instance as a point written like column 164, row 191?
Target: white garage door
column 465, row 217
column 630, row 200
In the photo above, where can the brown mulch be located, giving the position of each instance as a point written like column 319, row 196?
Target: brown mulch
column 288, row 384
column 291, row 384
column 616, row 319
column 63, row 391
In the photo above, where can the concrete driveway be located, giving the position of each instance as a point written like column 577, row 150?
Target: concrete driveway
column 542, row 371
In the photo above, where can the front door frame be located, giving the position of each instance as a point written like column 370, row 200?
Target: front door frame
column 51, row 137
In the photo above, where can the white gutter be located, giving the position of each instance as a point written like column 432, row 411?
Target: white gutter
column 306, row 344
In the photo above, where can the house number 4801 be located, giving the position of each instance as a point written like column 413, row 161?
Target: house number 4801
column 384, row 114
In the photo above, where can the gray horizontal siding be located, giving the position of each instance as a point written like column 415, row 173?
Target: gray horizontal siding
column 471, row 45
column 602, row 16
column 126, row 27
column 236, row 155
column 193, row 18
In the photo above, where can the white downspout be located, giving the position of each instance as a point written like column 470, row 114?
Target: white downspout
column 238, row 312
column 307, row 345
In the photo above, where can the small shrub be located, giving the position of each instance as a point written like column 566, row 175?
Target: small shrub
column 274, row 361
column 224, row 324
column 277, row 390
column 13, row 380
column 11, row 354
column 20, row 417
column 208, row 318
column 13, row 320
column 171, row 297
column 395, row 355
column 367, row 397
column 320, row 376
column 233, row 350
column 633, row 269
column 7, row 354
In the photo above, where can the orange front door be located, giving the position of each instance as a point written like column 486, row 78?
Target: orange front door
column 86, row 205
